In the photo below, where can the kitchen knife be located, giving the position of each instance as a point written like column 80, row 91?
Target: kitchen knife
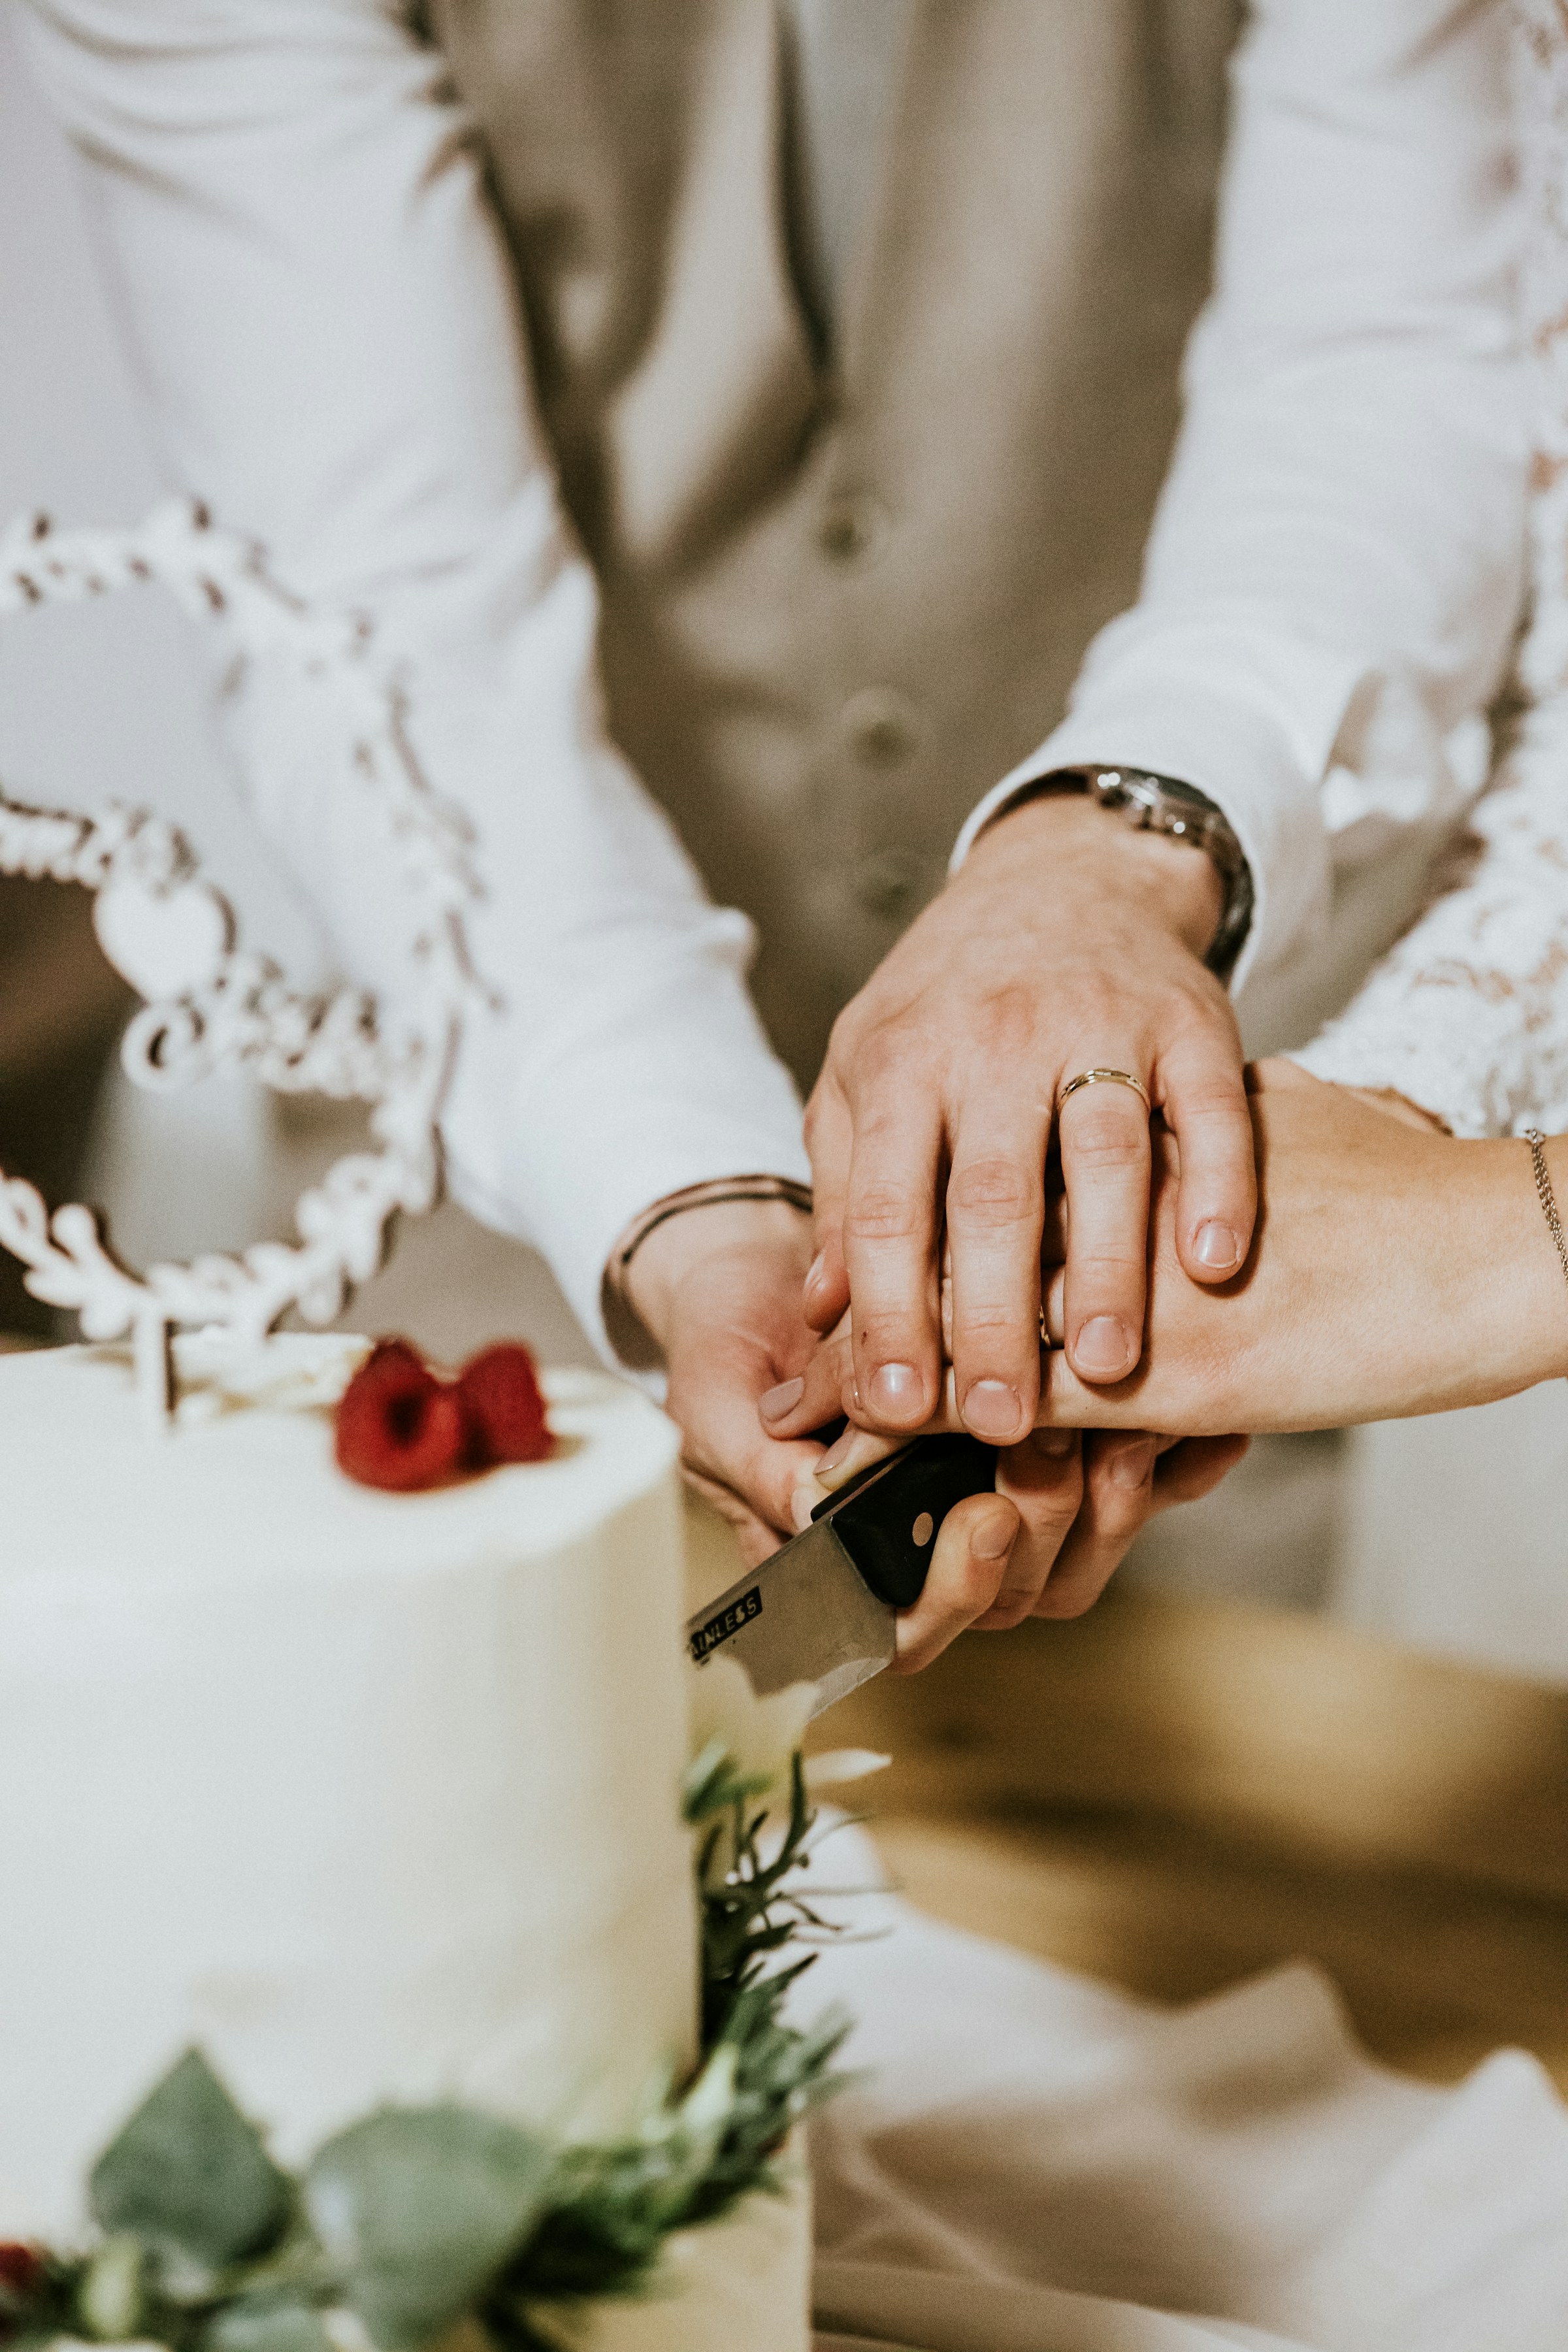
column 822, row 1610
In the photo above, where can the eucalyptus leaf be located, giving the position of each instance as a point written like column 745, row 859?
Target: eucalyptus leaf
column 419, row 2207
column 190, row 2170
column 267, row 2326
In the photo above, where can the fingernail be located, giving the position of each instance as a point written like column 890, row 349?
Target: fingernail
column 1056, row 1444
column 782, row 1400
column 1215, row 1246
column 897, row 1391
column 1131, row 1464
column 1104, row 1345
column 836, row 1453
column 993, row 1410
column 992, row 1539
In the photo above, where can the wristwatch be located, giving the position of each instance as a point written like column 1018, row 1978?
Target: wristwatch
column 1164, row 805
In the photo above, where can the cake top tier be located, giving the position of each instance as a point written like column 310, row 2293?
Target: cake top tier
column 245, row 1485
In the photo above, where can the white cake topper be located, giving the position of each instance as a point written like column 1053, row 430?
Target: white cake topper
column 209, row 1002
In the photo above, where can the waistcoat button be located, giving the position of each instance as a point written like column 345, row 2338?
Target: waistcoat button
column 882, row 728
column 889, row 882
column 850, row 528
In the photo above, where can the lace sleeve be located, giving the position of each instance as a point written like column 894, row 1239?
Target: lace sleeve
column 1468, row 1015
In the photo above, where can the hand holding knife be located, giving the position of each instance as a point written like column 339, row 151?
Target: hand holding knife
column 824, row 1608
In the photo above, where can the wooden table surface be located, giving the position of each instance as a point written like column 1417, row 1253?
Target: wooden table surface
column 1171, row 1795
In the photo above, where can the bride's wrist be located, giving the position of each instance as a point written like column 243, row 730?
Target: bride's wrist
column 761, row 1233
column 1520, row 1324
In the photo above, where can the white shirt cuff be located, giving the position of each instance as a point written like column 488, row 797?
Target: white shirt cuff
column 1152, row 706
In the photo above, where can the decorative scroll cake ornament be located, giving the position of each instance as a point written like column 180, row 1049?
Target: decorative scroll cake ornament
column 211, row 1003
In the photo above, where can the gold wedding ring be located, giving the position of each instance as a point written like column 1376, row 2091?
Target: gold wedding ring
column 1097, row 1077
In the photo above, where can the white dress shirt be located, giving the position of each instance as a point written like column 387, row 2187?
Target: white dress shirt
column 320, row 308
column 1336, row 567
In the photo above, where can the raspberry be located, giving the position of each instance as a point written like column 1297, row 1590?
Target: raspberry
column 500, row 1390
column 398, row 1426
column 19, row 2272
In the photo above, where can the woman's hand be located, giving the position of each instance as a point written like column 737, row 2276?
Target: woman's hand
column 1078, row 1498
column 1076, row 1501
column 718, row 1289
column 1396, row 1271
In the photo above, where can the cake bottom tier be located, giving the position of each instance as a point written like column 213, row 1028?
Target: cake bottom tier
column 743, row 2284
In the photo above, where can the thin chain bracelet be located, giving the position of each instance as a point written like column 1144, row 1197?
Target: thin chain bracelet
column 1546, row 1196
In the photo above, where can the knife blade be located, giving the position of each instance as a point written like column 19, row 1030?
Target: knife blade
column 823, row 1608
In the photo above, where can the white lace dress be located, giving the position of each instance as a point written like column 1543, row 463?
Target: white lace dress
column 1467, row 1016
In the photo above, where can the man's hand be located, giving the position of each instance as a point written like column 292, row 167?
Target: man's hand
column 1067, row 942
column 719, row 1290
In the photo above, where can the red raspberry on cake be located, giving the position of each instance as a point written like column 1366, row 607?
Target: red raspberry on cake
column 499, row 1390
column 398, row 1426
column 401, row 1428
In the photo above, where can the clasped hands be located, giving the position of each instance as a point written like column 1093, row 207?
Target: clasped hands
column 953, row 1198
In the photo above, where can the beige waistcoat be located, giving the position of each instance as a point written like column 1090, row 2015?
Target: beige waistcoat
column 838, row 605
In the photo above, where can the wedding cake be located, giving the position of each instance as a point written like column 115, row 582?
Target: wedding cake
column 349, row 1957
column 371, row 1796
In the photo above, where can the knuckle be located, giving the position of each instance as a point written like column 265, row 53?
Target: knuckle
column 880, row 1055
column 1209, row 1102
column 1107, row 1145
column 1048, row 1519
column 1008, row 1612
column 1103, row 1267
column 884, row 1213
column 975, row 1323
column 992, row 1191
column 1006, row 1017
column 1074, row 1596
column 883, row 1333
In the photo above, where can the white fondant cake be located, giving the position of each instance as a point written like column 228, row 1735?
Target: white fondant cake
column 374, row 1796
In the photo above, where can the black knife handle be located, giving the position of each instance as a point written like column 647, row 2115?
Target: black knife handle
column 888, row 1519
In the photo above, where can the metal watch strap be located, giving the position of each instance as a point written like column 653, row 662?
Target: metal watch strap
column 1171, row 806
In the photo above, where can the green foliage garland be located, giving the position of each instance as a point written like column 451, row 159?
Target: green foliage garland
column 418, row 2217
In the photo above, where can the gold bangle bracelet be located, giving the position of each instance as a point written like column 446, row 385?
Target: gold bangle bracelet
column 709, row 1195
column 1546, row 1196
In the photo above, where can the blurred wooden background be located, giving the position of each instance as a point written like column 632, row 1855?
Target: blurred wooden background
column 1173, row 1794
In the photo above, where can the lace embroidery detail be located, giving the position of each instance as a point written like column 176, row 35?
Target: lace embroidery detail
column 1467, row 1016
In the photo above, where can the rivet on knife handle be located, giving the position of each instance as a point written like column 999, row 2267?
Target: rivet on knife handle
column 889, row 1519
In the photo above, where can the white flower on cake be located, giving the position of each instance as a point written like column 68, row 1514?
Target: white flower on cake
column 757, row 1736
column 745, row 1747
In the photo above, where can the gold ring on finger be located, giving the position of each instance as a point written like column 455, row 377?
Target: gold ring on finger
column 1047, row 1342
column 1099, row 1078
